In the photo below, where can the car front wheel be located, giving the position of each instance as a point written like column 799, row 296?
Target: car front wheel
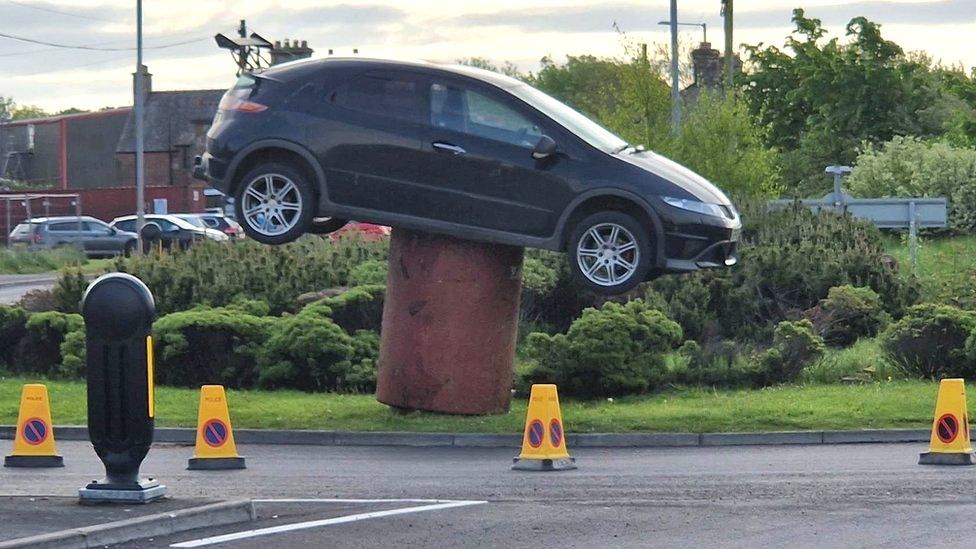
column 275, row 203
column 610, row 253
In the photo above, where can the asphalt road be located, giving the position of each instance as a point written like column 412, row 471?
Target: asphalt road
column 798, row 496
column 13, row 287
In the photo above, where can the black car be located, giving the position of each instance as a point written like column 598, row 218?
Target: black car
column 461, row 151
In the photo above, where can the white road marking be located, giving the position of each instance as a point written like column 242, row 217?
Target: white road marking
column 446, row 504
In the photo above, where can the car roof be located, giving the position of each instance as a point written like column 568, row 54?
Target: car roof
column 39, row 220
column 168, row 217
column 286, row 71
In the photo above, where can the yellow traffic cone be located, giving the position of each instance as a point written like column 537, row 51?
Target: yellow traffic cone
column 215, row 448
column 34, row 441
column 544, row 441
column 950, row 443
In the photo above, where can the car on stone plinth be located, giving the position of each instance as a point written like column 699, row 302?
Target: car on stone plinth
column 457, row 150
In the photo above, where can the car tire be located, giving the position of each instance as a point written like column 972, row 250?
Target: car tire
column 610, row 252
column 275, row 203
column 328, row 225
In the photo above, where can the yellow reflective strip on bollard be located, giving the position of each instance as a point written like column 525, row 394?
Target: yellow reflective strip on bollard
column 150, row 367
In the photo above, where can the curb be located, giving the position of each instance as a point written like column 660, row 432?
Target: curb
column 178, row 435
column 31, row 282
column 122, row 531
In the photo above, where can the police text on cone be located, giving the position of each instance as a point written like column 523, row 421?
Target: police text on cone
column 34, row 440
column 950, row 444
column 215, row 447
column 544, row 440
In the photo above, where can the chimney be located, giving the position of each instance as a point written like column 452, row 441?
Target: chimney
column 146, row 81
column 707, row 63
column 290, row 50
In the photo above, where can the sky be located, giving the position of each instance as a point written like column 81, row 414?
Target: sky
column 181, row 53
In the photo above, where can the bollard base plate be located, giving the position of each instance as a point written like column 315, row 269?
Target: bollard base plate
column 214, row 464
column 543, row 464
column 33, row 461
column 143, row 492
column 944, row 458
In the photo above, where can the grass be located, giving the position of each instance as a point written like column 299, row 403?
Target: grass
column 14, row 261
column 896, row 404
column 946, row 266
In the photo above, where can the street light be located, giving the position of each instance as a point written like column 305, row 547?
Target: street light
column 704, row 27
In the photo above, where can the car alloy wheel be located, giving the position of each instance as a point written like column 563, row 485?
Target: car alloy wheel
column 607, row 254
column 272, row 204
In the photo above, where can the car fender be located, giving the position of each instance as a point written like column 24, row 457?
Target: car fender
column 275, row 144
column 620, row 193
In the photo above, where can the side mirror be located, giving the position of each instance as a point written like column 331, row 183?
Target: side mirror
column 545, row 148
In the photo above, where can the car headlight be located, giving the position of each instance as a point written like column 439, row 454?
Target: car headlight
column 704, row 208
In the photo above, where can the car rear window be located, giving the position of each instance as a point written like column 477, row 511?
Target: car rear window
column 392, row 96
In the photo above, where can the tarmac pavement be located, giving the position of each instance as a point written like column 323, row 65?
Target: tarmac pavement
column 853, row 495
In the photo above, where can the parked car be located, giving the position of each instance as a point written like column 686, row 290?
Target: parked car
column 172, row 229
column 93, row 236
column 217, row 222
column 461, row 151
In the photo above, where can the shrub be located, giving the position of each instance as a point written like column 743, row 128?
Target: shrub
column 908, row 166
column 372, row 272
column 204, row 346
column 794, row 347
column 930, row 342
column 847, row 314
column 39, row 301
column 717, row 363
column 611, row 351
column 214, row 273
column 39, row 351
column 308, row 352
column 69, row 290
column 13, row 328
column 73, row 354
column 359, row 308
column 861, row 362
column 361, row 376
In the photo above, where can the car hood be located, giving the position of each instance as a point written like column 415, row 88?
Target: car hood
column 696, row 185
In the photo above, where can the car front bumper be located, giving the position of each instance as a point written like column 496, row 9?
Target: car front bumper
column 693, row 241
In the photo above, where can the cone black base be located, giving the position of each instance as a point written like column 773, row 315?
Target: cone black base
column 543, row 464
column 943, row 458
column 214, row 464
column 33, row 461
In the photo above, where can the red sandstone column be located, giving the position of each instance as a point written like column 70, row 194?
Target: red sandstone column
column 450, row 321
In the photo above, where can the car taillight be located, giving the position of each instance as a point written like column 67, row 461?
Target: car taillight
column 37, row 239
column 231, row 103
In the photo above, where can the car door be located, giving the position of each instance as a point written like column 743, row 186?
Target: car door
column 101, row 239
column 67, row 233
column 368, row 139
column 480, row 166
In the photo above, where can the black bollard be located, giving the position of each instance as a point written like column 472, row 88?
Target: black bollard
column 119, row 311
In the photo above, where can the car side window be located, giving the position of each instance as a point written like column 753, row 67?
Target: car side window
column 62, row 227
column 167, row 226
column 98, row 228
column 396, row 97
column 474, row 113
column 128, row 226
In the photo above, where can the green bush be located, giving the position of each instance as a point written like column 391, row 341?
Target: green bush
column 372, row 272
column 847, row 314
column 795, row 346
column 359, row 308
column 930, row 342
column 13, row 328
column 861, row 362
column 69, row 290
column 209, row 346
column 214, row 273
column 908, row 166
column 361, row 376
column 39, row 351
column 615, row 350
column 717, row 363
column 73, row 354
column 308, row 352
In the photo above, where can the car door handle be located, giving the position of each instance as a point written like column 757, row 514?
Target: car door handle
column 447, row 147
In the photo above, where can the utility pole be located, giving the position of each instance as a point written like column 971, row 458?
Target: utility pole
column 675, row 92
column 729, row 67
column 138, row 108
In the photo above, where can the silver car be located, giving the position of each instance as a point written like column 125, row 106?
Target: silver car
column 92, row 236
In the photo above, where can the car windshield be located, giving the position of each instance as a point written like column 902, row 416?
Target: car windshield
column 193, row 220
column 588, row 130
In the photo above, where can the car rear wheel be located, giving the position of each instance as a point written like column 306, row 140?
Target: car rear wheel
column 610, row 253
column 275, row 203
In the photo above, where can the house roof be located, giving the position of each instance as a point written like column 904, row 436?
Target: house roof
column 171, row 119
